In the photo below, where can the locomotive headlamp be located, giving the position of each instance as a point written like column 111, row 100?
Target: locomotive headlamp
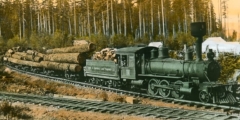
column 198, row 29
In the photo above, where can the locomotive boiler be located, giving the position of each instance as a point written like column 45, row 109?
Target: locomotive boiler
column 204, row 71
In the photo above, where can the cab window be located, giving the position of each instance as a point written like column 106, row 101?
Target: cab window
column 124, row 61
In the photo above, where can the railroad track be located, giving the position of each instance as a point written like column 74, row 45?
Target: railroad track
column 118, row 108
column 223, row 108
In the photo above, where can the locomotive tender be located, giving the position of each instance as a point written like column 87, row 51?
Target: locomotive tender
column 151, row 69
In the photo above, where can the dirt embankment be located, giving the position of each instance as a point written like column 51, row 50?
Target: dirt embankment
column 19, row 83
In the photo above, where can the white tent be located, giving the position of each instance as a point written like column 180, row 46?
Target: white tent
column 212, row 43
column 217, row 44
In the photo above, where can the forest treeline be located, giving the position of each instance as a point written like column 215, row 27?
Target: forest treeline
column 108, row 23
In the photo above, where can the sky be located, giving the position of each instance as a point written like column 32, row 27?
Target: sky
column 233, row 14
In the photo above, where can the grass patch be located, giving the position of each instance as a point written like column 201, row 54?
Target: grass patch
column 11, row 112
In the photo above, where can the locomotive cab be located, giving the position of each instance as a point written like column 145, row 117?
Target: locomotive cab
column 130, row 60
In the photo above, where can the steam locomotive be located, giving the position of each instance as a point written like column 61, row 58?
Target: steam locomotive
column 151, row 69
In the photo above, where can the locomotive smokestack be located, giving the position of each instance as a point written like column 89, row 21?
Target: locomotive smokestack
column 198, row 45
column 198, row 30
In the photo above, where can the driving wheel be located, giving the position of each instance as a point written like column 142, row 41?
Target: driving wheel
column 163, row 91
column 152, row 89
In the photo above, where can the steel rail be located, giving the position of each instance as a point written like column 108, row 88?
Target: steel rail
column 118, row 108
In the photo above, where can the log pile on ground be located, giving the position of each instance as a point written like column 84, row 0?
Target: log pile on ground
column 105, row 54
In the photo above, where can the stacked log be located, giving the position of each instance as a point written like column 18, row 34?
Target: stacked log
column 23, row 62
column 37, row 59
column 68, row 58
column 75, row 68
column 88, row 47
column 40, row 55
column 35, row 53
column 31, row 52
column 79, row 42
column 49, row 65
column 29, row 63
column 23, row 54
column 16, row 56
column 9, row 53
column 76, row 58
column 28, row 56
column 36, row 56
column 61, row 66
column 22, row 58
column 105, row 54
column 13, row 60
column 64, row 61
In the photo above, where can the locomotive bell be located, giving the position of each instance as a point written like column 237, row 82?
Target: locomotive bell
column 189, row 54
column 210, row 55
